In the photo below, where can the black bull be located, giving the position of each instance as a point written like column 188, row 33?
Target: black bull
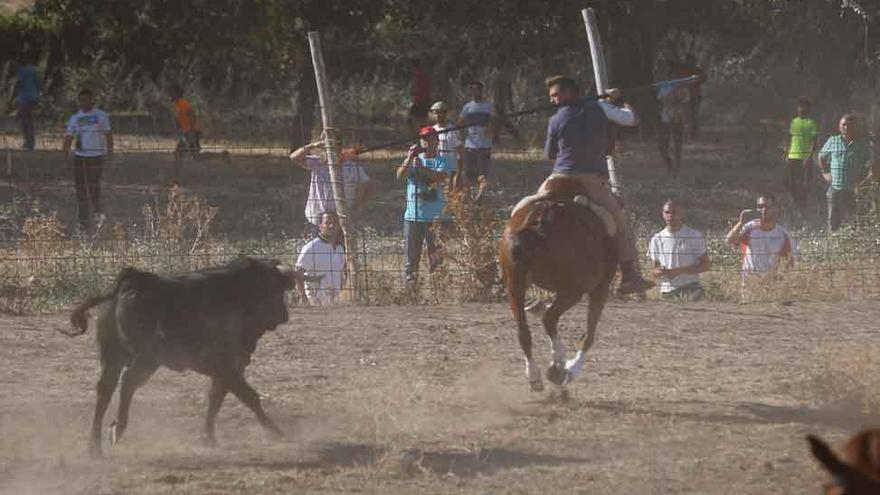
column 208, row 321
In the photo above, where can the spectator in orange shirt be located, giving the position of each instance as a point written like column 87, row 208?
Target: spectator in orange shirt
column 188, row 132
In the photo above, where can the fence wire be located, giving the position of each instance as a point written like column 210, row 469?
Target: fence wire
column 46, row 263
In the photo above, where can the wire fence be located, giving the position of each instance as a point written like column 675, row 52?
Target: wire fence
column 46, row 263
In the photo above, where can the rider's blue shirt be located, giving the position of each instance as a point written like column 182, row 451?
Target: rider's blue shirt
column 577, row 138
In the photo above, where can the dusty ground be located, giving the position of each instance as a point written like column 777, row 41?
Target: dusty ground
column 675, row 399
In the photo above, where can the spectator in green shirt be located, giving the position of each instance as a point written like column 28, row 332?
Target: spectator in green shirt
column 846, row 161
column 799, row 173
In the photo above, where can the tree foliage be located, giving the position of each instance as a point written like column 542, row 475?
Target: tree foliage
column 236, row 49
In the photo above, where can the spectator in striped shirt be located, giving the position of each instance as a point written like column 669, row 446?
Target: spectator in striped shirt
column 846, row 160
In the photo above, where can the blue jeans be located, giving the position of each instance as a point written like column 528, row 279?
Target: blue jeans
column 415, row 234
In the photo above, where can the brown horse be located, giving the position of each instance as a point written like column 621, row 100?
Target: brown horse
column 563, row 247
column 858, row 473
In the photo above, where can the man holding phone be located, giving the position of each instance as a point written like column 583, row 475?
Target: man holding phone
column 426, row 173
column 765, row 244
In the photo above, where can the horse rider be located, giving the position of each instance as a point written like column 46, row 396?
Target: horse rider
column 577, row 142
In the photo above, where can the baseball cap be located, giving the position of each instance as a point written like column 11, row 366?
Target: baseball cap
column 427, row 131
column 439, row 106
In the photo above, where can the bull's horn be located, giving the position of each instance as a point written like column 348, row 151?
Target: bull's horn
column 297, row 274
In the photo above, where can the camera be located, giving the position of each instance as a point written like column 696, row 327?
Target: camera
column 429, row 194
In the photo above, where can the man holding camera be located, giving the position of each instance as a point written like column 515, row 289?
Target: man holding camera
column 765, row 244
column 426, row 173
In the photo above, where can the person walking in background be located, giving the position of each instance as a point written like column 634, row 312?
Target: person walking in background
column 449, row 146
column 28, row 85
column 88, row 130
column 765, row 244
column 695, row 93
column 188, row 129
column 679, row 256
column 803, row 133
column 477, row 114
column 846, row 161
column 323, row 256
column 356, row 183
column 425, row 172
column 673, row 108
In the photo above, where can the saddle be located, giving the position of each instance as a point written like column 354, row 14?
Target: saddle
column 567, row 190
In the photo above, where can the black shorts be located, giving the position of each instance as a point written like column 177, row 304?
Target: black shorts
column 477, row 163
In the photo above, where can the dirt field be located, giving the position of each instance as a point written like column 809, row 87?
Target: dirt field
column 701, row 399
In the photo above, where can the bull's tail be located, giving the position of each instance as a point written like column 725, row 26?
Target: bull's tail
column 80, row 316
column 79, row 319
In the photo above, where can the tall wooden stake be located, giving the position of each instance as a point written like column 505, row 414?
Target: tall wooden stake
column 600, row 73
column 331, row 145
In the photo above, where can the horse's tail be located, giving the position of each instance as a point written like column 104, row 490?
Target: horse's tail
column 529, row 238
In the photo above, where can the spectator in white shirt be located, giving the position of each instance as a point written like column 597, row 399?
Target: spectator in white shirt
column 478, row 114
column 88, row 132
column 764, row 243
column 356, row 183
column 450, row 145
column 323, row 256
column 679, row 256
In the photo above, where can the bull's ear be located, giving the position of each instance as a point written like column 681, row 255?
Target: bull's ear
column 823, row 453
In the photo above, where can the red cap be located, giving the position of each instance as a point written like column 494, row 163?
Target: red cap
column 427, row 131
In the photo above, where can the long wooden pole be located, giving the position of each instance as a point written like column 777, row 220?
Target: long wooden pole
column 600, row 73
column 331, row 145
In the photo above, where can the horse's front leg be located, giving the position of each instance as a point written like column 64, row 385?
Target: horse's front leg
column 563, row 301
column 598, row 297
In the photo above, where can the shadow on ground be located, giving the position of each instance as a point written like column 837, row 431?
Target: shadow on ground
column 472, row 463
column 412, row 462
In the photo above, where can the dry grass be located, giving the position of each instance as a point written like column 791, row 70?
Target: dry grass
column 470, row 250
column 46, row 268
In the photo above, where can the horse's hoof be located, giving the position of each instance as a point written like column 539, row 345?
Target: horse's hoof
column 557, row 374
column 537, row 386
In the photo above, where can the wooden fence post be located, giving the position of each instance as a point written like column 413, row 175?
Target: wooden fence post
column 331, row 145
column 600, row 73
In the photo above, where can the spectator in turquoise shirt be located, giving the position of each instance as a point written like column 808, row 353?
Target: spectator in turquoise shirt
column 426, row 173
column 846, row 160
